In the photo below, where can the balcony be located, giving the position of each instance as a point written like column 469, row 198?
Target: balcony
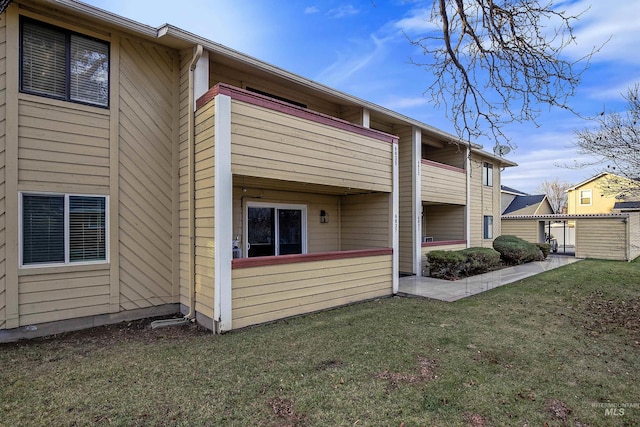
column 275, row 140
column 443, row 183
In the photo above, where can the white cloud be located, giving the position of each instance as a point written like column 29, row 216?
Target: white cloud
column 311, row 10
column 615, row 21
column 396, row 103
column 536, row 166
column 417, row 21
column 349, row 64
column 343, row 11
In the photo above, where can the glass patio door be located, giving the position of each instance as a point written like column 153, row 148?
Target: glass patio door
column 275, row 230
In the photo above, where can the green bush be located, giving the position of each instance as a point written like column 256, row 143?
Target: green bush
column 545, row 248
column 514, row 250
column 453, row 265
column 448, row 265
column 480, row 260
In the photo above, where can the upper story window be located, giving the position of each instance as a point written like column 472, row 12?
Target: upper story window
column 487, row 174
column 61, row 64
column 585, row 197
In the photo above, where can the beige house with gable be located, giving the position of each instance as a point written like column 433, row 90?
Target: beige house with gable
column 148, row 171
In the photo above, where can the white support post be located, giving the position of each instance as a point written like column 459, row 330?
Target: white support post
column 416, row 176
column 223, row 213
column 467, row 210
column 395, row 239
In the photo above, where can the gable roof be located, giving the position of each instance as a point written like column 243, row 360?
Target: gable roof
column 593, row 178
column 510, row 190
column 522, row 202
column 627, row 205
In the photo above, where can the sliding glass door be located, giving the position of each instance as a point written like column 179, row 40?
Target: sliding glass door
column 275, row 229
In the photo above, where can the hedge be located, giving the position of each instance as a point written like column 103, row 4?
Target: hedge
column 453, row 265
column 514, row 250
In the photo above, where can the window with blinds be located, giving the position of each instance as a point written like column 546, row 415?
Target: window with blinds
column 63, row 65
column 62, row 229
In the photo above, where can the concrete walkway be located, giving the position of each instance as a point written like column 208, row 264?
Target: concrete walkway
column 452, row 290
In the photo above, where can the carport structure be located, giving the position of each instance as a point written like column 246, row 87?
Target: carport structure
column 614, row 236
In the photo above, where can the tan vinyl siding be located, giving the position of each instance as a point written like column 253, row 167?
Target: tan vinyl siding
column 62, row 146
column 365, row 221
column 275, row 145
column 264, row 294
column 485, row 200
column 602, row 238
column 444, row 222
column 52, row 296
column 406, row 188
column 3, row 36
column 443, row 185
column 146, row 178
column 183, row 180
column 320, row 237
column 204, row 212
column 525, row 229
column 496, row 207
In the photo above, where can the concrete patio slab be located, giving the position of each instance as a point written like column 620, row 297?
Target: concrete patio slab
column 452, row 290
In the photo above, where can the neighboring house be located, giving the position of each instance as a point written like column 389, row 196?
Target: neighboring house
column 147, row 171
column 603, row 235
column 591, row 196
column 507, row 195
column 524, row 204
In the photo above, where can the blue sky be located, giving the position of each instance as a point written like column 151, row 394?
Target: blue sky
column 359, row 47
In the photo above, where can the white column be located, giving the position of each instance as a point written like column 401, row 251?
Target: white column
column 395, row 239
column 223, row 213
column 416, row 176
column 467, row 210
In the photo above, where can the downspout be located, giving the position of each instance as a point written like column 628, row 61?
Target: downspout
column 192, row 175
column 191, row 316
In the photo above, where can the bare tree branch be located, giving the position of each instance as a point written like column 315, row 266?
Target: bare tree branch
column 556, row 192
column 495, row 62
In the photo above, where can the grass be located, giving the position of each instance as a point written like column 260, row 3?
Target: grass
column 548, row 349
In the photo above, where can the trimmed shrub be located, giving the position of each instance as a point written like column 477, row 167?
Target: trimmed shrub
column 514, row 250
column 480, row 260
column 545, row 248
column 446, row 264
column 453, row 265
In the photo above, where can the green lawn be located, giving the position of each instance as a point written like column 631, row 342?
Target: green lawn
column 555, row 348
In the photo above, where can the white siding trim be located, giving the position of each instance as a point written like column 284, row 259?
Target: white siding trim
column 417, row 199
column 223, row 214
column 366, row 118
column 201, row 76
